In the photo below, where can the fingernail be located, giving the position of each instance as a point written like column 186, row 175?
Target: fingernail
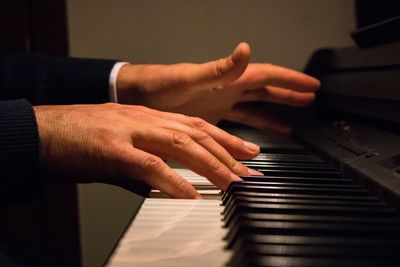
column 254, row 172
column 237, row 53
column 252, row 147
column 236, row 178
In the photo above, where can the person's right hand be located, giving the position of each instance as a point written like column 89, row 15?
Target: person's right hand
column 121, row 141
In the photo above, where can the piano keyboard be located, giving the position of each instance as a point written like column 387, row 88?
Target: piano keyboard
column 202, row 185
column 303, row 212
column 169, row 232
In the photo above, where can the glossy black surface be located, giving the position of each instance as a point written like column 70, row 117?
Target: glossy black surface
column 305, row 211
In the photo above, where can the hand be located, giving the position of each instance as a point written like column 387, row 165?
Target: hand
column 119, row 141
column 221, row 89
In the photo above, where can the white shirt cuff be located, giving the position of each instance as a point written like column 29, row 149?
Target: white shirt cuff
column 112, row 82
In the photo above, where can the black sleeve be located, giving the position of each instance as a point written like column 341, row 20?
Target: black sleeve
column 19, row 141
column 28, row 79
column 44, row 80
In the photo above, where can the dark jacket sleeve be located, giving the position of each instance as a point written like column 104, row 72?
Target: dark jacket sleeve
column 26, row 80
column 18, row 141
column 45, row 80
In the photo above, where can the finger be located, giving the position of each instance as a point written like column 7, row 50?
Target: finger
column 181, row 147
column 220, row 152
column 140, row 165
column 280, row 96
column 253, row 117
column 222, row 71
column 260, row 75
column 235, row 146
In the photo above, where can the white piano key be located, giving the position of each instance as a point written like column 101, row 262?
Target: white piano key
column 171, row 232
column 205, row 188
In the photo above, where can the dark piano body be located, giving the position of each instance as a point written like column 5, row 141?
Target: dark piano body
column 330, row 194
column 332, row 198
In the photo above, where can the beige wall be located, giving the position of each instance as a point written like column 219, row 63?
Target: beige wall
column 161, row 31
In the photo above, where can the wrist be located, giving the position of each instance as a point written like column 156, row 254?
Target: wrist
column 128, row 77
column 126, row 82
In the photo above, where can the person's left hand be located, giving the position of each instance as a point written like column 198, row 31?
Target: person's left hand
column 216, row 90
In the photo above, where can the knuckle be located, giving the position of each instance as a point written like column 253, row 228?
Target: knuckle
column 181, row 185
column 266, row 71
column 290, row 97
column 133, row 111
column 180, row 117
column 233, row 164
column 140, row 108
column 180, row 139
column 152, row 163
column 268, row 65
column 235, row 142
column 237, row 167
column 217, row 89
column 215, row 165
column 106, row 135
column 218, row 68
column 111, row 105
column 200, row 136
column 312, row 97
column 178, row 79
column 199, row 123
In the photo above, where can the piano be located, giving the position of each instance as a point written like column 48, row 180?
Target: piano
column 330, row 193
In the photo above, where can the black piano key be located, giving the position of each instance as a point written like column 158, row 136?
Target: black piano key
column 282, row 261
column 262, row 163
column 337, row 203
column 266, row 182
column 299, row 199
column 315, row 229
column 275, row 162
column 307, row 180
column 364, row 243
column 321, row 164
column 249, row 187
column 307, row 155
column 322, row 202
column 298, row 196
column 304, row 212
column 318, row 163
column 326, row 165
column 308, row 210
column 304, row 168
column 334, row 241
column 319, row 229
column 294, row 173
column 290, row 160
column 299, row 150
column 322, row 251
column 251, row 250
column 248, row 216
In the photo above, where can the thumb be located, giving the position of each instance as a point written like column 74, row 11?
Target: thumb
column 222, row 71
